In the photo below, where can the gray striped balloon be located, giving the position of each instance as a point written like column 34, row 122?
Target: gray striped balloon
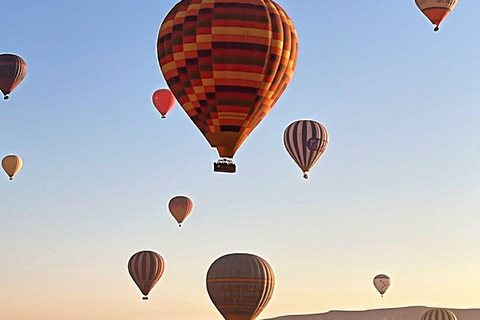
column 146, row 268
column 305, row 141
column 439, row 314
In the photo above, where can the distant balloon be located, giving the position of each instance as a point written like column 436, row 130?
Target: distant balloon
column 12, row 71
column 146, row 268
column 439, row 314
column 180, row 207
column 381, row 283
column 227, row 62
column 240, row 285
column 12, row 164
column 163, row 100
column 305, row 141
column 436, row 10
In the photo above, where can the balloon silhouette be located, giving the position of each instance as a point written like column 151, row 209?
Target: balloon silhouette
column 146, row 268
column 227, row 62
column 12, row 71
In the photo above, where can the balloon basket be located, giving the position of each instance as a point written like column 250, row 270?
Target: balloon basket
column 144, row 298
column 224, row 165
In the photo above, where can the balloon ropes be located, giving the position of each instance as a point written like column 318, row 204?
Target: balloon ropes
column 305, row 141
column 11, row 165
column 146, row 268
column 436, row 10
column 381, row 283
column 227, row 62
column 240, row 285
column 164, row 101
column 180, row 207
column 12, row 71
column 439, row 314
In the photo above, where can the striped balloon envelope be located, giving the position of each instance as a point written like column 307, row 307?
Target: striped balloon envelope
column 305, row 141
column 436, row 10
column 227, row 62
column 240, row 285
column 438, row 314
column 146, row 268
column 12, row 71
column 382, row 283
column 180, row 207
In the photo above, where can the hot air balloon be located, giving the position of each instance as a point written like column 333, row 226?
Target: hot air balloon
column 305, row 141
column 227, row 62
column 438, row 314
column 12, row 164
column 146, row 268
column 436, row 10
column 12, row 71
column 163, row 100
column 381, row 283
column 240, row 285
column 180, row 207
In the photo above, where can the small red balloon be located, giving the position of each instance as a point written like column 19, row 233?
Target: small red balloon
column 163, row 100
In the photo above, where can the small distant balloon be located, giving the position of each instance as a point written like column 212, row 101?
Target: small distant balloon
column 146, row 268
column 305, row 141
column 240, row 285
column 439, row 314
column 164, row 101
column 180, row 207
column 436, row 10
column 381, row 283
column 12, row 71
column 12, row 164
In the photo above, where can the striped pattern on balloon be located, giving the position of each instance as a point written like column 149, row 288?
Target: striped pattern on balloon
column 439, row 314
column 146, row 268
column 305, row 141
column 436, row 10
column 12, row 71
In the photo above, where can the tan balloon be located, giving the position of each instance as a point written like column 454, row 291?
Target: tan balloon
column 240, row 285
column 12, row 164
column 180, row 207
column 439, row 314
column 381, row 283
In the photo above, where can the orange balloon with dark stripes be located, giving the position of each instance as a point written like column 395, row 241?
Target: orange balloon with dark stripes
column 146, row 268
column 436, row 10
column 227, row 62
column 12, row 71
column 240, row 285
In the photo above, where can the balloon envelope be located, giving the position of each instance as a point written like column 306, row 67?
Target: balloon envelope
column 439, row 314
column 227, row 62
column 12, row 164
column 305, row 141
column 240, row 285
column 146, row 268
column 180, row 207
column 164, row 101
column 436, row 10
column 12, row 71
column 381, row 283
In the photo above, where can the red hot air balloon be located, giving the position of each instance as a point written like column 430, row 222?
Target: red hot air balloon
column 12, row 71
column 240, row 285
column 436, row 10
column 180, row 207
column 305, row 141
column 163, row 100
column 227, row 62
column 146, row 268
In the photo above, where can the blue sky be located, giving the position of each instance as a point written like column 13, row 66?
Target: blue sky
column 396, row 192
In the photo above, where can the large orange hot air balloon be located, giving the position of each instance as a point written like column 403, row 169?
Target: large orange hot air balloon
column 12, row 164
column 305, row 141
column 381, row 283
column 163, row 100
column 240, row 285
column 180, row 207
column 146, row 268
column 227, row 62
column 439, row 314
column 436, row 10
column 12, row 71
